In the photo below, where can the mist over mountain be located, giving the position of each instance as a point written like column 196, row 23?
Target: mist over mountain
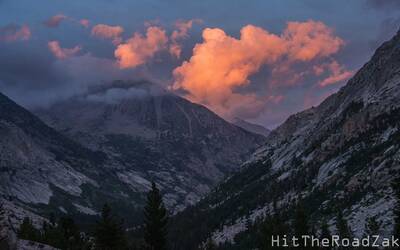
column 149, row 134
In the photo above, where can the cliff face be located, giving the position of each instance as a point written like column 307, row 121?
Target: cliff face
column 343, row 154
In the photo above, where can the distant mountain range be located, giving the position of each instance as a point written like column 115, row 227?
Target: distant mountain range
column 340, row 156
column 251, row 127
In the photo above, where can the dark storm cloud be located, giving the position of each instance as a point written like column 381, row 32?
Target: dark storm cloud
column 33, row 78
column 18, row 66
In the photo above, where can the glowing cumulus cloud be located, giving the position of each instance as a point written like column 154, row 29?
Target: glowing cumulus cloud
column 181, row 32
column 221, row 63
column 140, row 49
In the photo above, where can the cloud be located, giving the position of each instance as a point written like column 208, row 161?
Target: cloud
column 115, row 95
column 54, row 21
column 221, row 64
column 309, row 40
column 337, row 73
column 108, row 32
column 383, row 4
column 181, row 32
column 140, row 49
column 62, row 53
column 84, row 22
column 13, row 32
column 39, row 80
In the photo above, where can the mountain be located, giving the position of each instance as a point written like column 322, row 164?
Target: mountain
column 149, row 134
column 340, row 156
column 42, row 171
column 251, row 127
column 113, row 143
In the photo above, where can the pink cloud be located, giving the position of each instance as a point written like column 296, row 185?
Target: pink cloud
column 140, row 49
column 337, row 73
column 84, row 22
column 62, row 53
column 309, row 40
column 54, row 21
column 13, row 32
column 108, row 32
column 221, row 63
column 181, row 32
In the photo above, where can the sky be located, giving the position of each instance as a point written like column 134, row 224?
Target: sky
column 256, row 60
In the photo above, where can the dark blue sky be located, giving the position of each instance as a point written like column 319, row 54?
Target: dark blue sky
column 33, row 76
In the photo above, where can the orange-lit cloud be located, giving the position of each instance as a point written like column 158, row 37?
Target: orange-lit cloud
column 84, row 22
column 55, row 21
column 181, row 32
column 13, row 32
column 62, row 53
column 221, row 64
column 337, row 73
column 108, row 32
column 310, row 40
column 140, row 49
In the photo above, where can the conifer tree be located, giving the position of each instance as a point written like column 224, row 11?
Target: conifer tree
column 155, row 220
column 109, row 232
column 272, row 226
column 325, row 233
column 70, row 233
column 210, row 245
column 3, row 238
column 396, row 212
column 27, row 231
column 372, row 228
column 301, row 225
column 343, row 228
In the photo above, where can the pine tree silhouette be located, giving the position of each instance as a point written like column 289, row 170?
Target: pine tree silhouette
column 301, row 225
column 325, row 233
column 155, row 220
column 372, row 228
column 343, row 228
column 109, row 232
column 3, row 238
column 210, row 245
column 396, row 189
column 272, row 226
column 27, row 231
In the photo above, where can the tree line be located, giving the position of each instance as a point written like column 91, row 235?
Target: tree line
column 275, row 225
column 109, row 232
